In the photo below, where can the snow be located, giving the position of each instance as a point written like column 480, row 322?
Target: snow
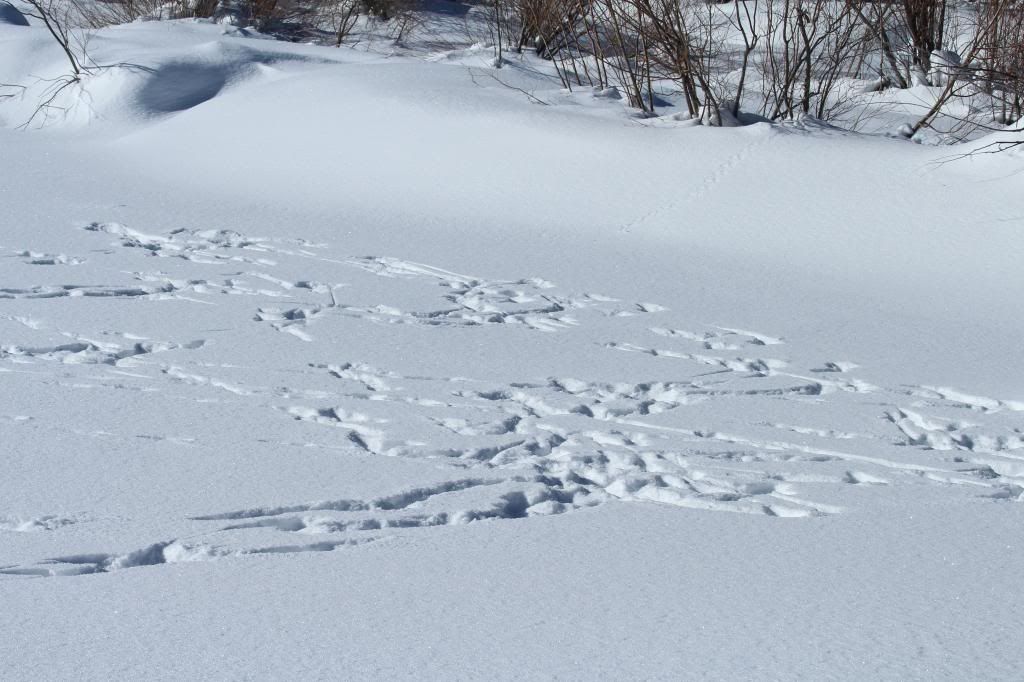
column 11, row 15
column 326, row 362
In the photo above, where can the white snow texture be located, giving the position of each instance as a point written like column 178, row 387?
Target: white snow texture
column 327, row 363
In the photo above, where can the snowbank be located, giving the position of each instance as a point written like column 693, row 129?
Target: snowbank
column 11, row 16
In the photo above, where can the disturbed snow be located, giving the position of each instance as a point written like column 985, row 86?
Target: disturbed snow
column 368, row 366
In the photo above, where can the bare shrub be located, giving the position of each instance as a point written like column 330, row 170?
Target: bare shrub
column 113, row 12
column 809, row 46
column 1000, row 64
column 925, row 22
column 61, row 21
column 980, row 63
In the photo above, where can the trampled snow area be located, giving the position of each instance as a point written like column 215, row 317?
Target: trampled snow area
column 334, row 364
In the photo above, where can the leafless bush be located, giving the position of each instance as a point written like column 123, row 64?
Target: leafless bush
column 925, row 23
column 801, row 47
column 61, row 21
column 264, row 14
column 549, row 25
column 58, row 17
column 112, row 12
column 386, row 10
column 809, row 44
column 681, row 38
column 880, row 21
column 1000, row 66
column 402, row 20
column 340, row 17
column 979, row 61
column 744, row 21
column 781, row 58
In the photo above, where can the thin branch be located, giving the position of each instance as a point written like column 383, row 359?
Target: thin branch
column 533, row 98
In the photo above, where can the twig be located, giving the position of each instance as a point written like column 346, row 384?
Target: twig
column 533, row 98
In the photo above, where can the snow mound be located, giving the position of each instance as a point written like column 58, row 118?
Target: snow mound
column 9, row 14
column 177, row 84
column 1008, row 141
column 996, row 155
column 154, row 85
column 181, row 86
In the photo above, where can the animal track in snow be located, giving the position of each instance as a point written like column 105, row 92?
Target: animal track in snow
column 193, row 379
column 711, row 180
column 952, row 435
column 836, row 366
column 465, row 301
column 19, row 524
column 979, row 403
column 398, row 501
column 584, row 442
column 735, row 339
column 472, row 301
column 90, row 351
column 211, row 247
column 39, row 258
column 169, row 552
column 291, row 321
column 85, row 290
column 713, row 418
column 608, row 441
column 360, row 431
column 763, row 366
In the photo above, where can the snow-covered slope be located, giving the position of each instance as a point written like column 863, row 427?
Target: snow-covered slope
column 319, row 363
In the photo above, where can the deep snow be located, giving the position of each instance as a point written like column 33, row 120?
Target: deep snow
column 322, row 363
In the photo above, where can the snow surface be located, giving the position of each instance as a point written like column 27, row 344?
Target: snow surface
column 326, row 363
column 11, row 15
